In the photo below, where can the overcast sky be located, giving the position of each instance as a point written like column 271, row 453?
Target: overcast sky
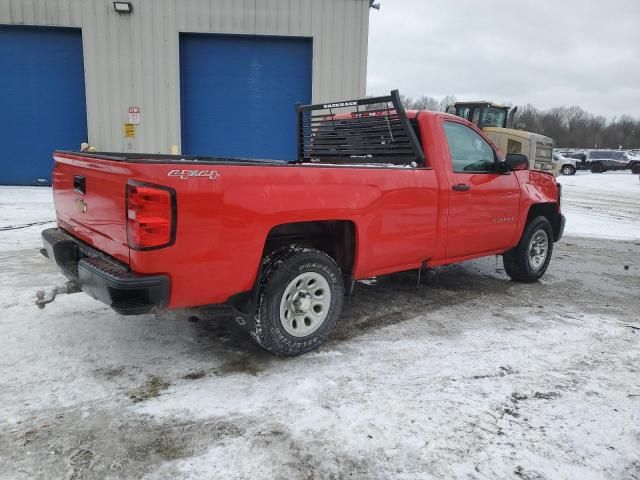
column 544, row 52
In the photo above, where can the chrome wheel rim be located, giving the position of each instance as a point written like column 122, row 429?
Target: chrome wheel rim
column 566, row 171
column 538, row 249
column 305, row 303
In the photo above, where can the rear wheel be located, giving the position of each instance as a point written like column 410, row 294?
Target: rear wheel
column 299, row 301
column 529, row 260
column 635, row 168
column 597, row 168
column 568, row 170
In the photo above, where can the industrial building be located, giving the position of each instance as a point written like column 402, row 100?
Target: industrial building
column 203, row 77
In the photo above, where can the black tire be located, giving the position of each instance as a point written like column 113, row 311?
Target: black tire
column 278, row 273
column 516, row 261
column 635, row 168
column 597, row 168
column 568, row 170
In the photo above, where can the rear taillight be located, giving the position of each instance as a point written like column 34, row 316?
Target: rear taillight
column 151, row 216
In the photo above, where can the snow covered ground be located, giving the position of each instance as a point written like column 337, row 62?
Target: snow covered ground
column 605, row 205
column 466, row 376
column 24, row 213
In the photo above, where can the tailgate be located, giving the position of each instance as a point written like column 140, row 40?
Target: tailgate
column 89, row 196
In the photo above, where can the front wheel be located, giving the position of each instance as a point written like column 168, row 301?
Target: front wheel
column 635, row 168
column 597, row 168
column 568, row 170
column 528, row 261
column 299, row 301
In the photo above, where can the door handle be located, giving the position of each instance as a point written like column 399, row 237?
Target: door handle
column 461, row 187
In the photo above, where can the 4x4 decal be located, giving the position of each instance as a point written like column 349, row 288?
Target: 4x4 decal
column 186, row 174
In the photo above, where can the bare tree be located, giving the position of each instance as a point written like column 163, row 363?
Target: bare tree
column 568, row 126
column 574, row 127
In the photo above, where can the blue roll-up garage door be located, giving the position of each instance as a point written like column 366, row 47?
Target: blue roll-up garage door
column 238, row 94
column 42, row 100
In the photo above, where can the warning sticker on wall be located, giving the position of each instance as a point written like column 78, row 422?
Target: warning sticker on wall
column 134, row 115
column 129, row 130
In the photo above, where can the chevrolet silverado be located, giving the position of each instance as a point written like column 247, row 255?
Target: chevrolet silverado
column 375, row 189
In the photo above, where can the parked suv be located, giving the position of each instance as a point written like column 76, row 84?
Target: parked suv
column 634, row 161
column 602, row 160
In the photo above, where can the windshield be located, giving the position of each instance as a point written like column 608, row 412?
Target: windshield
column 494, row 117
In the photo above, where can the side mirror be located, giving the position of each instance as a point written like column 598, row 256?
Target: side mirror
column 517, row 161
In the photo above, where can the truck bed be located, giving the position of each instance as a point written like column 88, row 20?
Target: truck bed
column 223, row 219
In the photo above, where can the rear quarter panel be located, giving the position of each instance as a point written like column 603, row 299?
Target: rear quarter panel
column 223, row 223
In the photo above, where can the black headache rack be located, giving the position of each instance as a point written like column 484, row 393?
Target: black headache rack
column 367, row 131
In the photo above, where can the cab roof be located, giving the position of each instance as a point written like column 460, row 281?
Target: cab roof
column 482, row 102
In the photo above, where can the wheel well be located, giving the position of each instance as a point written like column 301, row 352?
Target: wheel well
column 336, row 238
column 547, row 210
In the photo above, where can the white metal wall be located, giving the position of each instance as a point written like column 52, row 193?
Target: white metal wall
column 133, row 60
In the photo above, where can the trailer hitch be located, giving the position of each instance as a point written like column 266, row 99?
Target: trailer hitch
column 68, row 288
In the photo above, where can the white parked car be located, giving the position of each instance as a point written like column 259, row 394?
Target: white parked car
column 565, row 165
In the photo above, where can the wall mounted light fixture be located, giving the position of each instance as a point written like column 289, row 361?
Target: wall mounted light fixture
column 123, row 7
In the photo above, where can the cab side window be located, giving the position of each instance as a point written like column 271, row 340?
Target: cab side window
column 470, row 153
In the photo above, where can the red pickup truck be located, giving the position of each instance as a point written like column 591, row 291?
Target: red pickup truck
column 375, row 190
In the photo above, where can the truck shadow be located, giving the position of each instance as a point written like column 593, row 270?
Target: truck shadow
column 378, row 303
column 398, row 297
column 218, row 347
